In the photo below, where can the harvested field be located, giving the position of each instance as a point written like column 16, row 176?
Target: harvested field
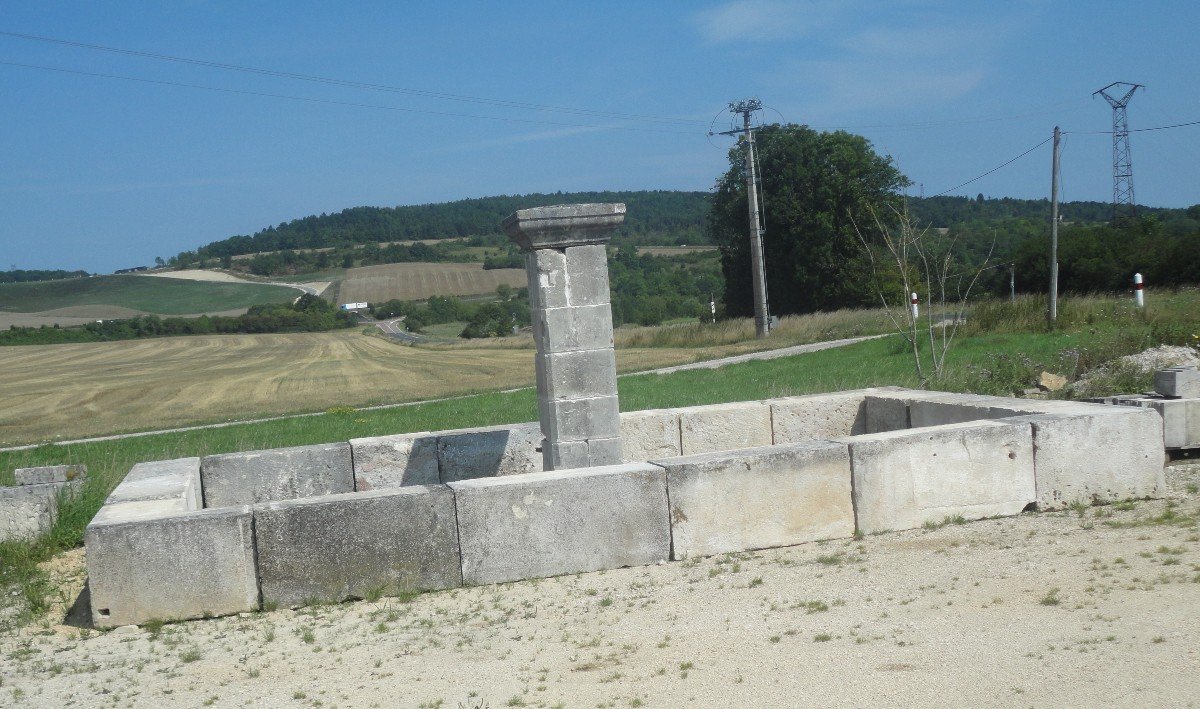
column 417, row 281
column 77, row 390
column 83, row 314
column 1095, row 607
column 148, row 294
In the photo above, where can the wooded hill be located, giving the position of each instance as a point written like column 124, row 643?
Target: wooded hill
column 660, row 217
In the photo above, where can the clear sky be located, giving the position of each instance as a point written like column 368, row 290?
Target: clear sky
column 102, row 173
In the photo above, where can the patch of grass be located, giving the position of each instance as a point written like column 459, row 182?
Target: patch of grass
column 1051, row 598
column 190, row 655
column 822, row 638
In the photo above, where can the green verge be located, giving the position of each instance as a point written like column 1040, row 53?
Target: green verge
column 997, row 362
column 151, row 294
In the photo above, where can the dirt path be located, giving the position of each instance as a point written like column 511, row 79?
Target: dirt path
column 1063, row 609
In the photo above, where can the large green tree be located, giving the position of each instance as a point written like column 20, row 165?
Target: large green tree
column 815, row 186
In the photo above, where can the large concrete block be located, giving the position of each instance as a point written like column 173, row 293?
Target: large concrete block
column 757, row 498
column 487, row 452
column 582, row 419
column 392, row 461
column 356, row 545
column 1178, row 382
column 720, row 427
column 818, row 416
column 886, row 414
column 575, row 328
column 1180, row 417
column 27, row 511
column 587, row 276
column 145, row 565
column 579, row 375
column 546, row 270
column 546, row 524
column 162, row 480
column 648, row 435
column 904, row 479
column 49, row 474
column 1096, row 458
column 278, row 474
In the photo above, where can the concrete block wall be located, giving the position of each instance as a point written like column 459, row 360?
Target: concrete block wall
column 30, row 508
column 872, row 473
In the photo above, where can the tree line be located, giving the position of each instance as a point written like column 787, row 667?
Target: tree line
column 19, row 275
column 308, row 314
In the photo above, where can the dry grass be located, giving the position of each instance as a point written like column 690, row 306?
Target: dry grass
column 79, row 390
column 417, row 281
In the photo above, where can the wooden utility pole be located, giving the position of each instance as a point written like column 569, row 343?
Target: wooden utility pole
column 1053, row 312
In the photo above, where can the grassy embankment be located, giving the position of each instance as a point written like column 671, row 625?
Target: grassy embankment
column 162, row 296
column 1000, row 349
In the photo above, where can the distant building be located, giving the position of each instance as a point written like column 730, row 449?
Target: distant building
column 354, row 306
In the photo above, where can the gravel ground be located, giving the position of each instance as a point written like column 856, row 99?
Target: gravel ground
column 1088, row 607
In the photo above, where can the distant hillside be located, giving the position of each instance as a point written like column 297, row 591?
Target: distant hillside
column 680, row 214
column 162, row 296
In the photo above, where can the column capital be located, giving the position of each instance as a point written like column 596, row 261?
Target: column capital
column 564, row 225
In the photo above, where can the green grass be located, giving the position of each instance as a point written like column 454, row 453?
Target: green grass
column 164, row 296
column 447, row 330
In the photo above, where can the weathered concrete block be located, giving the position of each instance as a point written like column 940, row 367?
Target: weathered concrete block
column 1178, row 382
column 546, row 270
column 649, row 435
column 904, row 479
column 818, row 416
column 162, row 480
column 575, row 328
column 392, row 461
column 582, row 419
column 759, row 497
column 546, row 524
column 885, row 414
column 144, row 565
column 579, row 375
column 277, row 474
column 486, row 452
column 1096, row 458
column 564, row 455
column 587, row 276
column 27, row 511
column 704, row 429
column 1181, row 420
column 356, row 545
column 49, row 474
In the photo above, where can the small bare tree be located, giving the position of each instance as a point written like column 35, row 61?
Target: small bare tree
column 924, row 265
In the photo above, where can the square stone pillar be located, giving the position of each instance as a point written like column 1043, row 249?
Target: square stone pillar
column 567, row 266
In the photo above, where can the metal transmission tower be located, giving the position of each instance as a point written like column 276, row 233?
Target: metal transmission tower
column 1124, row 206
column 762, row 320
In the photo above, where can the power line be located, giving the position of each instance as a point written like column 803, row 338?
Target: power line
column 244, row 92
column 1134, row 130
column 359, row 84
column 1002, row 165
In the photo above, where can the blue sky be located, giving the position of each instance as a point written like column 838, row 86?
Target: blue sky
column 102, row 173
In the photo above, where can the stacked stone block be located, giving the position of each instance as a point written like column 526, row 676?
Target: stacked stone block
column 576, row 367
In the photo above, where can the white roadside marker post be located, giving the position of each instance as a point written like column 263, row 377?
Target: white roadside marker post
column 915, row 310
column 1139, row 298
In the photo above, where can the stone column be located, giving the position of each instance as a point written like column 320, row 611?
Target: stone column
column 567, row 266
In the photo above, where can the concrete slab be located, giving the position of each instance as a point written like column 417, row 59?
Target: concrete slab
column 757, row 498
column 704, row 429
column 1178, row 382
column 162, row 480
column 1096, row 458
column 49, row 474
column 171, row 567
column 394, row 461
column 904, row 479
column 818, row 416
column 647, row 435
column 562, row 522
column 469, row 453
column 886, row 414
column 27, row 511
column 277, row 474
column 357, row 545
